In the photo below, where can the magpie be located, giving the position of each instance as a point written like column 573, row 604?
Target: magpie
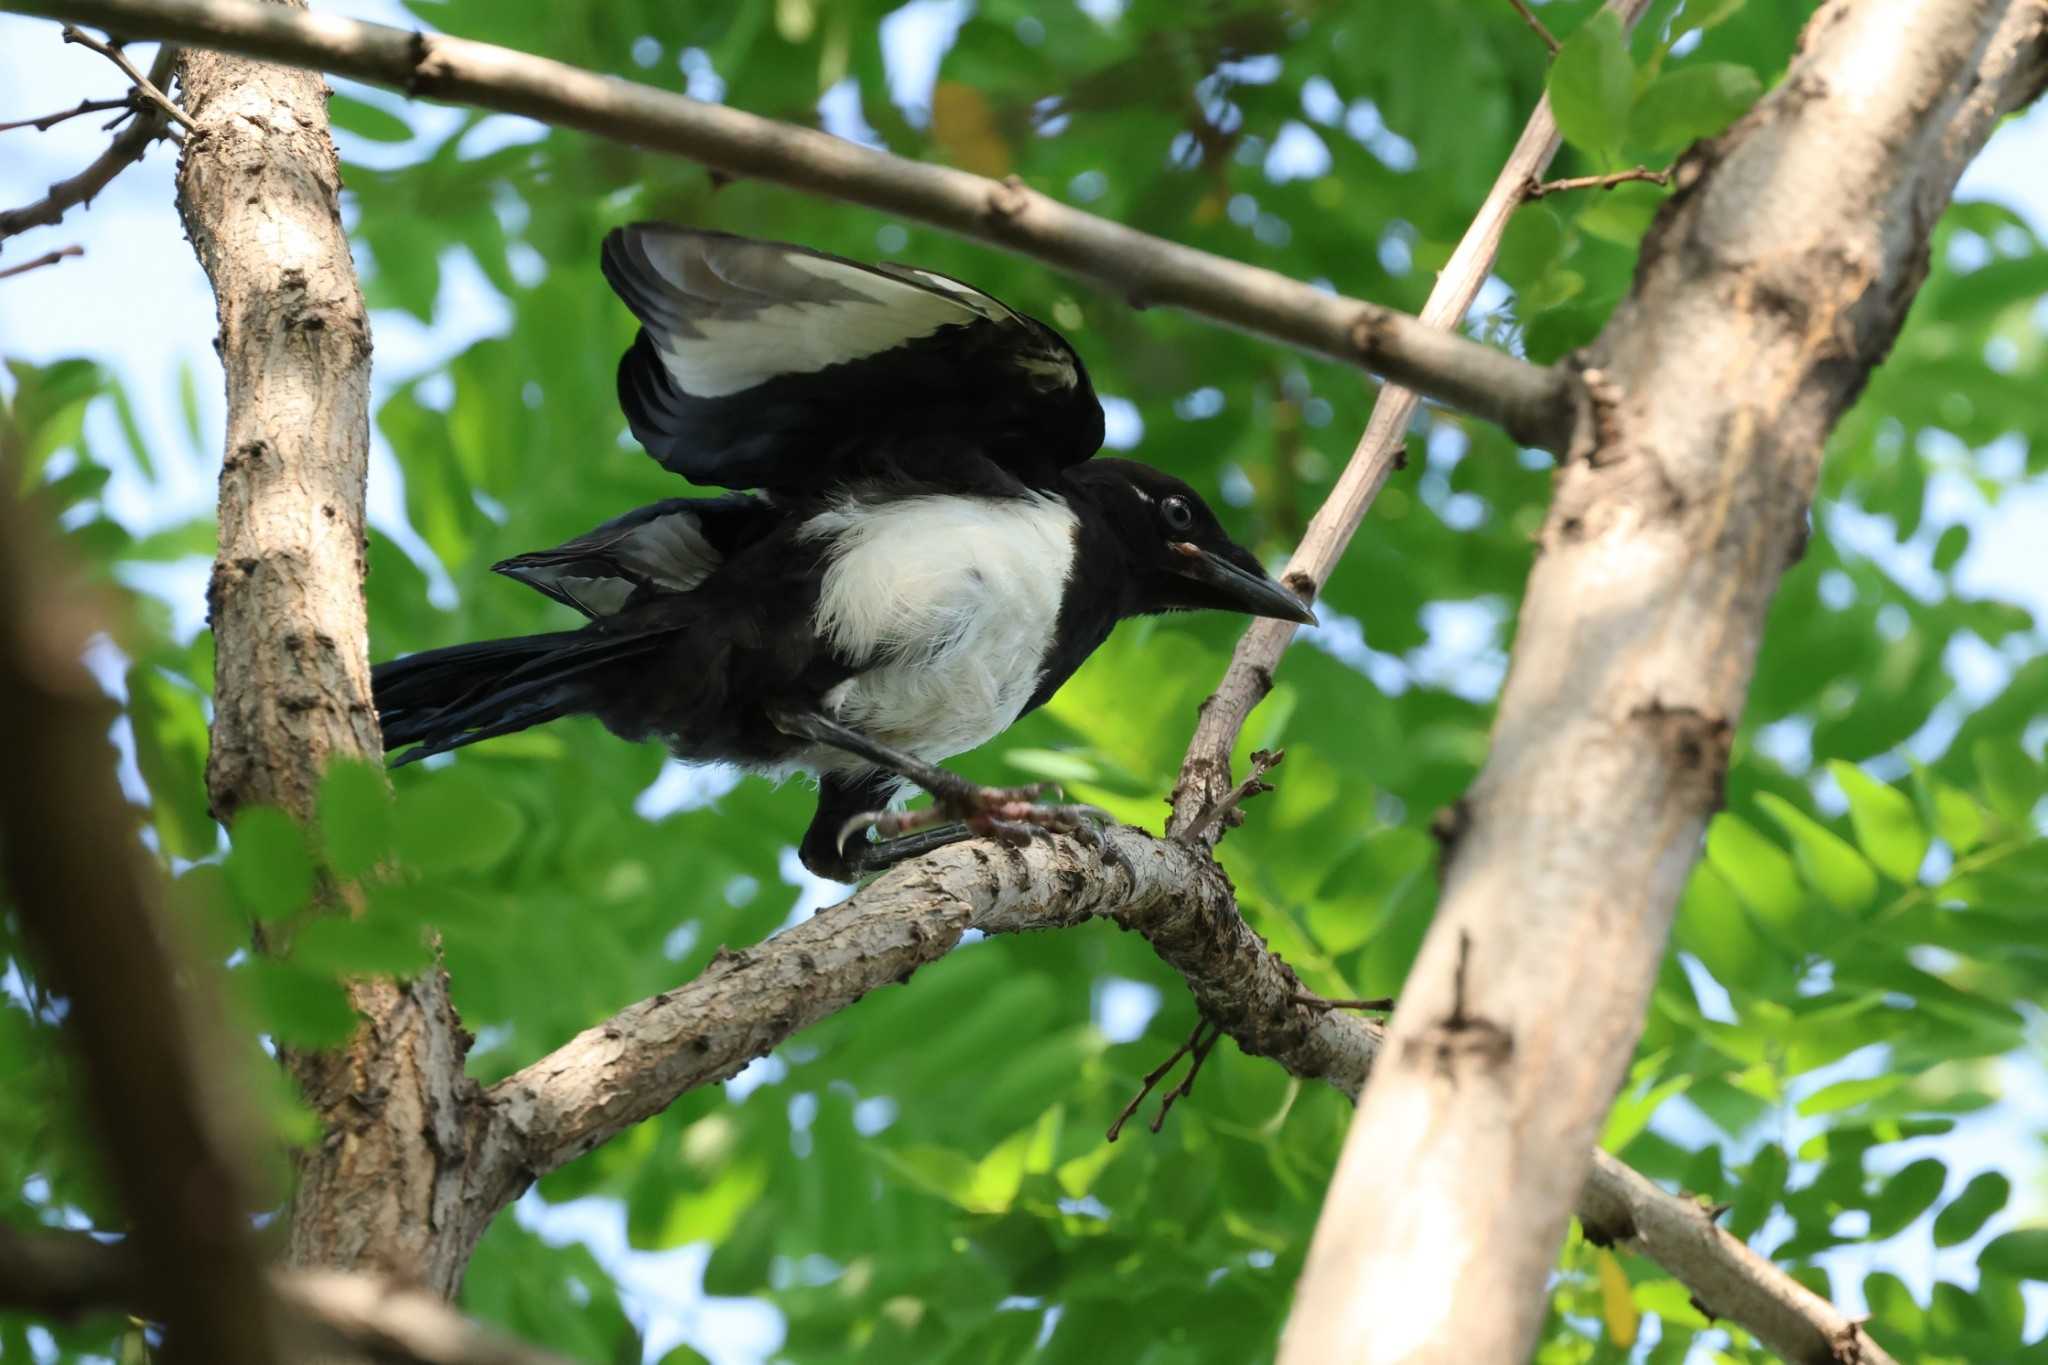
column 923, row 551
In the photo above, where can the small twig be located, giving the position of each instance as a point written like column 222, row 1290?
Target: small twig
column 126, row 149
column 147, row 87
column 1380, row 1003
column 1529, row 17
column 47, row 258
column 1198, row 1042
column 49, row 121
column 1227, row 813
column 1187, row 1082
column 1538, row 188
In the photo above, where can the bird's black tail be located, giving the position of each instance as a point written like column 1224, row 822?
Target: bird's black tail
column 442, row 699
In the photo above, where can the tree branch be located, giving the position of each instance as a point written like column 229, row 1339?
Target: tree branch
column 1529, row 18
column 62, row 1274
column 1773, row 281
column 1541, row 407
column 1205, row 771
column 259, row 190
column 83, row 107
column 47, row 258
column 150, row 91
column 141, row 1014
column 745, row 1004
column 1539, row 189
column 127, row 148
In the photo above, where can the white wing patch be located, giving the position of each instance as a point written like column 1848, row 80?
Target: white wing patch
column 669, row 550
column 951, row 601
column 739, row 348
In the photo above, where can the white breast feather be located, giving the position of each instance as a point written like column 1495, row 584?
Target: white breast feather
column 952, row 602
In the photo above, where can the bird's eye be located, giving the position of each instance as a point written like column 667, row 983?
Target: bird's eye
column 1177, row 514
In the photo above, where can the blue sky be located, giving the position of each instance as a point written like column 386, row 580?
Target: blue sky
column 138, row 302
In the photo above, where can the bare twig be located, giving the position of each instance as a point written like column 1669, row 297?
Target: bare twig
column 126, row 149
column 1529, row 17
column 1198, row 1043
column 1378, row 1003
column 47, row 258
column 1538, row 188
column 1227, row 812
column 1542, row 407
column 1205, row 772
column 49, row 121
column 145, row 86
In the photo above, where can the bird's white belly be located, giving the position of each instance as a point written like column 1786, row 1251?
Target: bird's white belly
column 952, row 602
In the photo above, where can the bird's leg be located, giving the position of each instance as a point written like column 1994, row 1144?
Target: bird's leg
column 1011, row 814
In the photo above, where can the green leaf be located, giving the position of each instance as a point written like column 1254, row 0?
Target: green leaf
column 2022, row 1254
column 1763, row 1185
column 1966, row 1214
column 1950, row 549
column 1591, row 84
column 1953, row 812
column 355, row 817
column 1832, row 1099
column 1761, row 874
column 1888, row 829
column 448, row 822
column 2011, row 781
column 1909, row 1193
column 1827, row 862
column 296, row 1004
column 377, row 943
column 1692, row 102
column 170, row 748
column 1533, row 240
column 267, row 864
column 367, row 120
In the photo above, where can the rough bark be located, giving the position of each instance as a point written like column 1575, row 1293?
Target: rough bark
column 1770, row 286
column 1542, row 407
column 259, row 189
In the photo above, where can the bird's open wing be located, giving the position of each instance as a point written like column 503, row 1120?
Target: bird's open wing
column 670, row 547
column 764, row 365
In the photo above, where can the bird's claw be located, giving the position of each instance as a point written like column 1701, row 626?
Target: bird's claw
column 1011, row 815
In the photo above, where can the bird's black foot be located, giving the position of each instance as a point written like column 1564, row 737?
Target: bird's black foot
column 1012, row 815
column 960, row 809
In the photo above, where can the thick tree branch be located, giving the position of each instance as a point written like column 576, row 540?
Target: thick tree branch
column 127, row 148
column 1205, row 771
column 63, row 1274
column 141, row 1015
column 259, row 190
column 643, row 1058
column 1542, row 407
column 1772, row 283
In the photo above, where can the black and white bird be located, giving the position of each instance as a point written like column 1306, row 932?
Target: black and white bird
column 930, row 553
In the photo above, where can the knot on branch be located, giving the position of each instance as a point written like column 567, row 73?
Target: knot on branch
column 1226, row 813
column 1461, row 1034
column 1008, row 200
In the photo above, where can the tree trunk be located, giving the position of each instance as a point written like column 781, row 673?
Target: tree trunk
column 259, row 188
column 1771, row 285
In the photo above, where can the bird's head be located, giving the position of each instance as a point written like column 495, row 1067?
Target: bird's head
column 1175, row 552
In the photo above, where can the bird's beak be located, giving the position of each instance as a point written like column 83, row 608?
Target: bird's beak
column 1246, row 590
